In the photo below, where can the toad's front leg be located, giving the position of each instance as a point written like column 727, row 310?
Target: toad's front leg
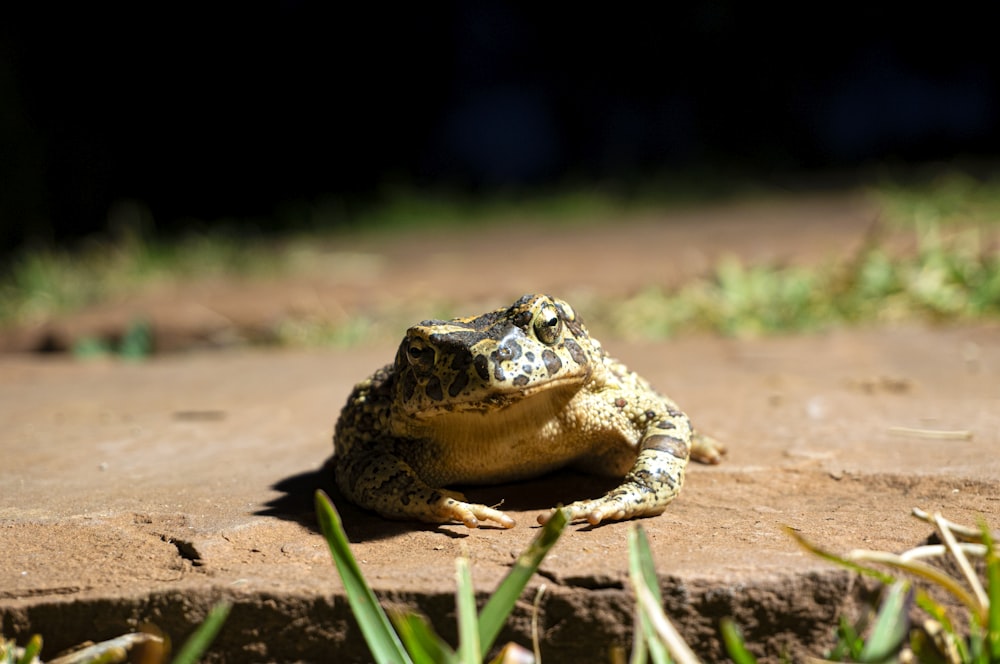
column 653, row 482
column 386, row 484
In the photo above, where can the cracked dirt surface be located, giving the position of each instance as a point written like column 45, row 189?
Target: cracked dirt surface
column 145, row 492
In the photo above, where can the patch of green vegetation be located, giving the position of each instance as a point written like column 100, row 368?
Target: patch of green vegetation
column 36, row 285
column 135, row 345
column 891, row 633
column 950, row 275
column 948, row 269
column 952, row 198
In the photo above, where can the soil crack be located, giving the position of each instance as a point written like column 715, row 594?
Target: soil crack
column 185, row 549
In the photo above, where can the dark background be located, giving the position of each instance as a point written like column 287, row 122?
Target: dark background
column 240, row 113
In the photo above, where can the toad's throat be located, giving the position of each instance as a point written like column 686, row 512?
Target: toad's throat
column 502, row 416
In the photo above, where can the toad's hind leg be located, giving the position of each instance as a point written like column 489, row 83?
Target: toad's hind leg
column 653, row 482
column 388, row 485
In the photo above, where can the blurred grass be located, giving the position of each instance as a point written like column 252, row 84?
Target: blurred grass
column 947, row 269
column 949, row 275
column 952, row 198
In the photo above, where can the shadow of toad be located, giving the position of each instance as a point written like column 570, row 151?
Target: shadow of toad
column 527, row 498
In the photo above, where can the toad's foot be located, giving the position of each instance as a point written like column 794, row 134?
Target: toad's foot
column 706, row 449
column 451, row 506
column 608, row 508
column 386, row 484
column 649, row 487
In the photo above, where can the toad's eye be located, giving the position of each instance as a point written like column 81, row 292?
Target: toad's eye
column 548, row 326
column 421, row 357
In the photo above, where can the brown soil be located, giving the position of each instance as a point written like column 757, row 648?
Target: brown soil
column 145, row 492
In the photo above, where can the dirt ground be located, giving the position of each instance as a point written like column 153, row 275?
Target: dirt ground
column 134, row 493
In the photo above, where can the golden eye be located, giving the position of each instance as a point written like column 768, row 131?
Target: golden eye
column 548, row 326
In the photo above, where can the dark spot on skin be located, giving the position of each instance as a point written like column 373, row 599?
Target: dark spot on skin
column 669, row 444
column 576, row 352
column 665, row 424
column 673, row 412
column 621, row 403
column 650, row 414
column 457, row 385
column 521, row 380
column 482, row 365
column 498, row 371
column 433, row 389
column 461, row 361
column 529, row 356
column 552, row 362
column 576, row 328
column 522, row 319
column 662, row 477
column 408, row 385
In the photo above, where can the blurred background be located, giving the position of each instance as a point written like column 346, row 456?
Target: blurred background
column 176, row 175
column 266, row 113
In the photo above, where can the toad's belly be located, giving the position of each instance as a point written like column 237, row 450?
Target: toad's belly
column 497, row 461
column 526, row 440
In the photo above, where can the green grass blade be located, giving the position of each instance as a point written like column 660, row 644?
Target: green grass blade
column 848, row 645
column 993, row 591
column 382, row 640
column 198, row 643
column 465, row 604
column 891, row 625
column 641, row 560
column 939, row 613
column 501, row 603
column 641, row 632
column 665, row 631
column 651, row 644
column 643, row 571
column 31, row 650
column 422, row 643
column 735, row 645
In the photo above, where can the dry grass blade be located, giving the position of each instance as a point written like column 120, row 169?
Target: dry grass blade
column 853, row 560
column 921, row 569
column 964, row 533
column 938, row 434
column 535, row 645
column 963, row 563
column 938, row 550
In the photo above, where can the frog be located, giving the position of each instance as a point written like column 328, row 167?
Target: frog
column 509, row 395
